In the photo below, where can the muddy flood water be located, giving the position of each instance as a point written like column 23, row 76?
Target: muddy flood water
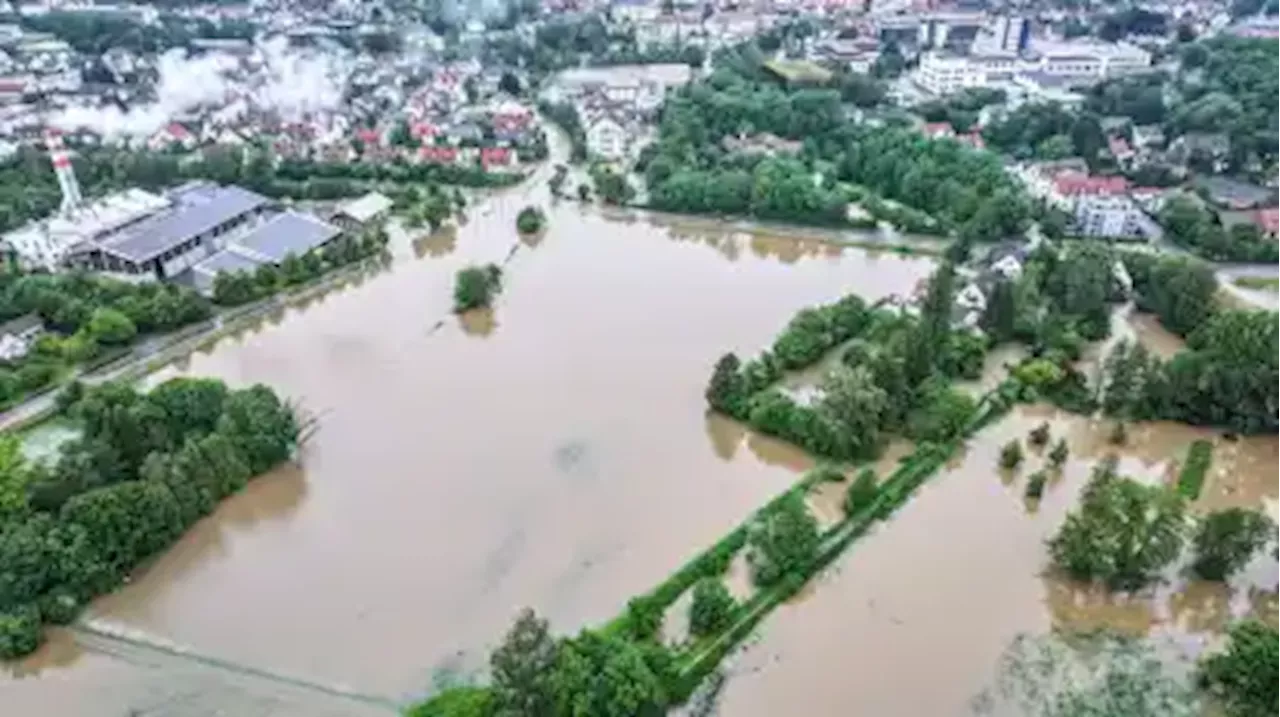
column 554, row 453
column 914, row 619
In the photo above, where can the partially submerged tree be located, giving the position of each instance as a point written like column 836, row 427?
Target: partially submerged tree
column 712, row 608
column 1122, row 534
column 1226, row 539
column 476, row 286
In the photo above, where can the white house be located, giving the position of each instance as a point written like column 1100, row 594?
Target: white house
column 607, row 138
column 17, row 336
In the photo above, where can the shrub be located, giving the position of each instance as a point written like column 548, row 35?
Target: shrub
column 644, row 618
column 476, row 286
column 1039, row 436
column 1011, row 455
column 1058, row 456
column 1226, row 539
column 1035, row 484
column 1243, row 678
column 861, row 492
column 712, row 608
column 1122, row 534
column 19, row 631
column 530, row 220
column 1194, row 469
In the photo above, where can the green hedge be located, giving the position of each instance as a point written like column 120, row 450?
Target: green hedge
column 1191, row 478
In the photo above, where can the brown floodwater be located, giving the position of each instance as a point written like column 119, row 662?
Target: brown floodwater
column 914, row 618
column 554, row 452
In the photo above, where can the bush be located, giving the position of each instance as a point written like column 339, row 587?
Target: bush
column 712, row 608
column 862, row 492
column 1122, row 534
column 476, row 286
column 1011, row 455
column 1226, row 539
column 1194, row 469
column 530, row 220
column 1058, row 456
column 1039, row 436
column 111, row 327
column 1035, row 484
column 19, row 632
column 1243, row 678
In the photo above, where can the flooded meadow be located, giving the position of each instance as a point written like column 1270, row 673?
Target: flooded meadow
column 554, row 452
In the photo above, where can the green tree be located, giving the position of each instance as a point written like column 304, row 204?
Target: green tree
column 1011, row 455
column 601, row 675
column 862, row 491
column 1058, row 456
column 712, row 608
column 476, row 287
column 1122, row 534
column 782, row 542
column 111, row 327
column 1040, row 435
column 19, row 631
column 852, row 399
column 1243, row 677
column 1226, row 539
column 725, row 391
column 530, row 220
column 522, row 668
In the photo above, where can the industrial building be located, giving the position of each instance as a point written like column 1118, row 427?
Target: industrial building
column 187, row 234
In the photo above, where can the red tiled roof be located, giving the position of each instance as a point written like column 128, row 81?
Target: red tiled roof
column 368, row 136
column 424, row 129
column 973, row 139
column 1072, row 184
column 1268, row 220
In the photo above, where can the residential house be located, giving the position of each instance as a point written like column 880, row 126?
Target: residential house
column 18, row 335
column 1148, row 136
column 607, row 138
column 171, row 135
column 438, row 154
column 361, row 212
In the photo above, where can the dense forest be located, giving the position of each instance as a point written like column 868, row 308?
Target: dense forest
column 145, row 468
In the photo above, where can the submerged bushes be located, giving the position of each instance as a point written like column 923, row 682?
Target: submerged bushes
column 476, row 286
column 147, row 466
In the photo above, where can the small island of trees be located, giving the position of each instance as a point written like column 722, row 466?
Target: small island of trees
column 476, row 286
column 530, row 220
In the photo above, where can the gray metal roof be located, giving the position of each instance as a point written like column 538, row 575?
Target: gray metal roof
column 198, row 210
column 201, row 276
column 287, row 233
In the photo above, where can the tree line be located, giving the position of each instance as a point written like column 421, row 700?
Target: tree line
column 145, row 468
column 86, row 318
column 1190, row 225
column 1226, row 376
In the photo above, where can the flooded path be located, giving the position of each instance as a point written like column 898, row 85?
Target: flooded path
column 554, row 453
column 913, row 620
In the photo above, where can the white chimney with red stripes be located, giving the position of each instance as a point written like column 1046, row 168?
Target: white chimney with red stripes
column 63, row 170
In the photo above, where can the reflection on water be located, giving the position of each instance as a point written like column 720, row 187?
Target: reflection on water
column 942, row 589
column 436, row 244
column 478, row 322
